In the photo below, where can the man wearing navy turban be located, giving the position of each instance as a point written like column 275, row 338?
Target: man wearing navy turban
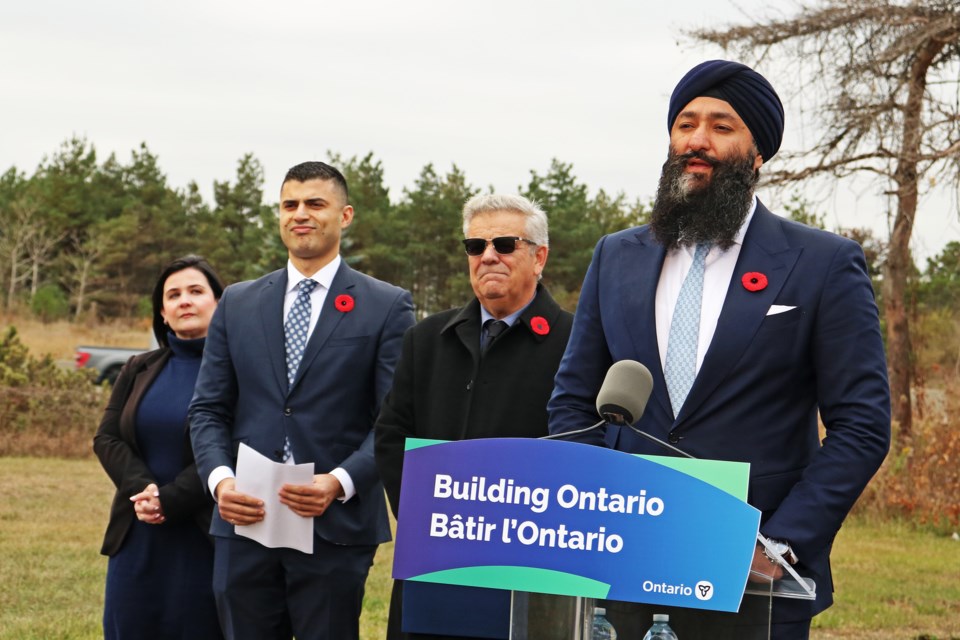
column 751, row 326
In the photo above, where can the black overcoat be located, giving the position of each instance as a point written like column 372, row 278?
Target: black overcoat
column 443, row 389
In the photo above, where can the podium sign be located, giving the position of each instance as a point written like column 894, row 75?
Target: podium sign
column 565, row 518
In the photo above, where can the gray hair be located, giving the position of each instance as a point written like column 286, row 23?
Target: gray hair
column 536, row 218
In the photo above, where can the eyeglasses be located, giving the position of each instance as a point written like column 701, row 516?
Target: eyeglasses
column 502, row 244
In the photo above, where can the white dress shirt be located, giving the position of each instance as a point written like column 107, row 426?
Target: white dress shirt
column 720, row 265
column 323, row 277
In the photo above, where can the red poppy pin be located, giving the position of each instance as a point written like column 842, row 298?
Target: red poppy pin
column 344, row 303
column 539, row 325
column 754, row 281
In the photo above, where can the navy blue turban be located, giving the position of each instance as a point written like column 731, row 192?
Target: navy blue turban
column 748, row 92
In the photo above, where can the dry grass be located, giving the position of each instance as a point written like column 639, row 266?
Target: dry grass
column 60, row 339
column 52, row 519
column 893, row 582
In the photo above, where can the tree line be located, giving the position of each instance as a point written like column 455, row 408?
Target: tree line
column 83, row 238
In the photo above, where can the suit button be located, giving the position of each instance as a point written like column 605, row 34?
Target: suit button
column 674, row 437
column 288, row 411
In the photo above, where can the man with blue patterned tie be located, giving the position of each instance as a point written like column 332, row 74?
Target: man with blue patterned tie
column 750, row 325
column 295, row 366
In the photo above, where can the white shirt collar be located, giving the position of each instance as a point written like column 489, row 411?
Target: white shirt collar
column 324, row 276
column 510, row 319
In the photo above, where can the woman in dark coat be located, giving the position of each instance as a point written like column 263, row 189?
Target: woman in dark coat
column 161, row 560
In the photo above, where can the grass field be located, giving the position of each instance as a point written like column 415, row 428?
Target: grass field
column 892, row 582
column 52, row 517
column 60, row 339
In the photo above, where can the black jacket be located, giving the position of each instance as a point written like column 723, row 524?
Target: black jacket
column 442, row 389
column 116, row 446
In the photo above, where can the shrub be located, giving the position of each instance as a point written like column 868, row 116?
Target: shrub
column 920, row 481
column 45, row 409
column 50, row 303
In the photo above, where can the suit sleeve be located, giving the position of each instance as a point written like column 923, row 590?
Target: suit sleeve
column 854, row 403
column 214, row 398
column 361, row 465
column 122, row 463
column 182, row 498
column 585, row 362
column 395, row 424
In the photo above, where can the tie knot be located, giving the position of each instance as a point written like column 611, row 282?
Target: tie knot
column 495, row 327
column 306, row 286
column 491, row 329
column 701, row 251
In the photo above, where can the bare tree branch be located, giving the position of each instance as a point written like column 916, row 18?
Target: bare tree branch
column 880, row 82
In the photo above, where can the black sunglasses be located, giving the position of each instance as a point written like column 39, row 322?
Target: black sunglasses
column 502, row 244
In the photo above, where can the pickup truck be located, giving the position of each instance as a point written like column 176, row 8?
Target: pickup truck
column 107, row 361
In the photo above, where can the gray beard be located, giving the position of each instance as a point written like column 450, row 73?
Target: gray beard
column 693, row 209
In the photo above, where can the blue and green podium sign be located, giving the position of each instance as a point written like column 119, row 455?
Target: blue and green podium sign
column 570, row 519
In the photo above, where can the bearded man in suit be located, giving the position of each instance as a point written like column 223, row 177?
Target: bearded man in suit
column 750, row 325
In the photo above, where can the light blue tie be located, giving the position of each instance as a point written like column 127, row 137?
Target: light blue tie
column 681, row 366
column 296, row 330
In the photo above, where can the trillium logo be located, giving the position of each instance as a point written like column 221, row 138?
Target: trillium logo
column 703, row 590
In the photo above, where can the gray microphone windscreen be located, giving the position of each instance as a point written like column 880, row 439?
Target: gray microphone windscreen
column 625, row 391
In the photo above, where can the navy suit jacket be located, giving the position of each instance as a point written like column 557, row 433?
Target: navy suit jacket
column 328, row 412
column 762, row 381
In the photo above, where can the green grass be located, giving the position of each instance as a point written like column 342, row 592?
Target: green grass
column 52, row 516
column 892, row 578
column 892, row 581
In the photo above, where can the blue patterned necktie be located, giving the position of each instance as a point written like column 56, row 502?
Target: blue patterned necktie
column 681, row 365
column 296, row 330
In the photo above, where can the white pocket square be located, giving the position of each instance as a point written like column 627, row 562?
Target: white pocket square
column 779, row 308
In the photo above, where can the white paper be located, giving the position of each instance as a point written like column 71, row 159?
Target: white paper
column 262, row 478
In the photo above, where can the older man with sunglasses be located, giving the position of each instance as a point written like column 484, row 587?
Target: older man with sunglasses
column 484, row 370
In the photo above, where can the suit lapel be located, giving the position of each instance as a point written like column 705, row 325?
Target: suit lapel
column 344, row 283
column 271, row 315
column 466, row 324
column 141, row 381
column 765, row 250
column 639, row 269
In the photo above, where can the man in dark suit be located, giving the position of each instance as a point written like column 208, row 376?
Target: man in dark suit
column 484, row 370
column 749, row 323
column 295, row 366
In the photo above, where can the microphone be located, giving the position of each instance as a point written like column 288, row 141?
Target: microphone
column 624, row 393
column 622, row 397
column 621, row 400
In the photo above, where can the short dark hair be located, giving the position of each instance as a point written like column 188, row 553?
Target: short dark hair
column 186, row 262
column 315, row 170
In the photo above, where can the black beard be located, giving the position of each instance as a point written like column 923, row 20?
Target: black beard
column 687, row 211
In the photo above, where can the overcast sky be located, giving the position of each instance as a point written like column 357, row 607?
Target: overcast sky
column 497, row 87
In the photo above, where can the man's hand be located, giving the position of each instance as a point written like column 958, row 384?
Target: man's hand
column 763, row 569
column 235, row 507
column 310, row 500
